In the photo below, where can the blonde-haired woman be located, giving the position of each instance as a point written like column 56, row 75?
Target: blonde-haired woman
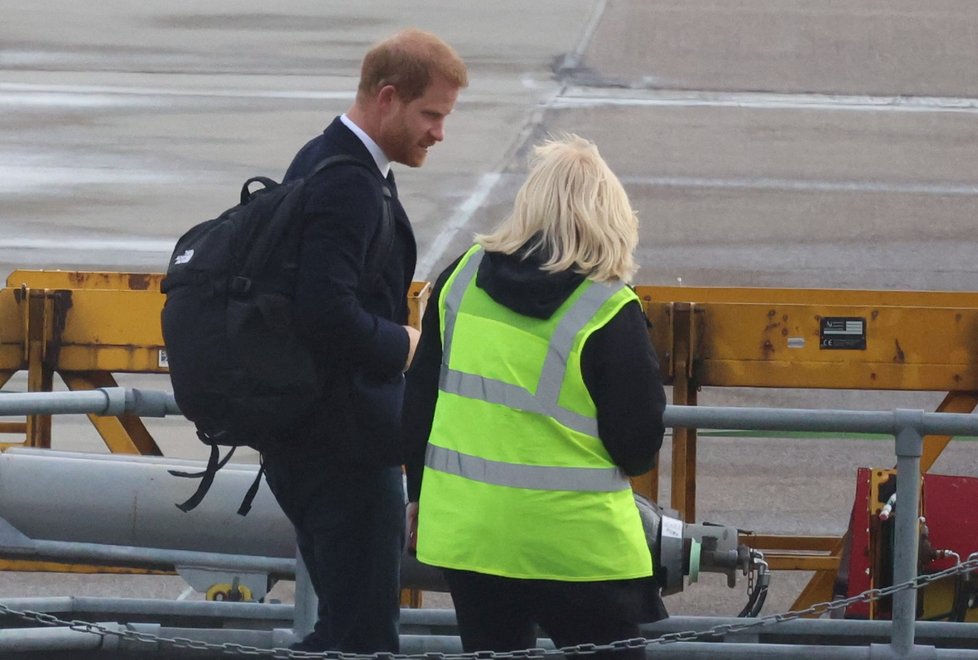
column 535, row 393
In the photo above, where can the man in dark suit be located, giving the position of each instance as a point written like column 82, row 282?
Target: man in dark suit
column 338, row 479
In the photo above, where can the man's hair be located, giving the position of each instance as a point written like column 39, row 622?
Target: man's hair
column 410, row 60
column 573, row 210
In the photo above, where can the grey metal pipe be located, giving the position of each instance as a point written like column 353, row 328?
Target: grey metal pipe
column 784, row 419
column 261, row 639
column 713, row 651
column 138, row 522
column 909, row 445
column 955, row 654
column 837, row 628
column 42, row 493
column 153, row 403
column 417, row 644
column 907, row 426
column 448, row 642
column 444, row 620
column 429, row 616
column 60, row 639
column 124, row 608
column 32, row 640
column 100, row 401
column 133, row 556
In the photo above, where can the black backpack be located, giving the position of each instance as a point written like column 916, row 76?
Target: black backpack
column 238, row 369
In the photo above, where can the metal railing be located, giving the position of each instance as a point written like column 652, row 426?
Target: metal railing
column 103, row 401
column 908, row 427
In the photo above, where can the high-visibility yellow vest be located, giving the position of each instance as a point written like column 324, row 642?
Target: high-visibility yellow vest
column 516, row 481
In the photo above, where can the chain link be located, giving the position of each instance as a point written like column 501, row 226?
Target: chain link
column 582, row 649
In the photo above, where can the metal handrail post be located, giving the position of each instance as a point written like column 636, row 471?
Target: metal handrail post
column 909, row 447
column 306, row 610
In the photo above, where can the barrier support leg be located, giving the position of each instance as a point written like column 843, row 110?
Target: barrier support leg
column 684, row 392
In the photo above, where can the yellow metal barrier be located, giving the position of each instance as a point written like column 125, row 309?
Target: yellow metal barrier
column 86, row 327
column 778, row 338
column 810, row 338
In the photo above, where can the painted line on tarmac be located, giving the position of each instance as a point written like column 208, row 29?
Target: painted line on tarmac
column 803, row 185
column 455, row 224
column 573, row 59
column 44, row 94
column 572, row 97
column 577, row 97
column 69, row 244
column 463, row 214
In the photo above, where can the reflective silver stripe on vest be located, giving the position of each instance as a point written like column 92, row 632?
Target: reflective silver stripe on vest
column 562, row 341
column 477, row 387
column 516, row 475
column 453, row 299
column 480, row 388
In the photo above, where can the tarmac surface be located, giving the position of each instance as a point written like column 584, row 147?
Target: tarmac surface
column 763, row 142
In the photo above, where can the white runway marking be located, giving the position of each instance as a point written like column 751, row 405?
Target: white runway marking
column 31, row 94
column 66, row 243
column 458, row 221
column 34, row 93
column 573, row 59
column 803, row 185
column 576, row 97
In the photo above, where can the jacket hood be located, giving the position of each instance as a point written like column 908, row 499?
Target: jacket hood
column 518, row 282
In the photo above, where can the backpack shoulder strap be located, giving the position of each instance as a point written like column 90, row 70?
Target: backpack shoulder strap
column 382, row 243
column 265, row 241
column 377, row 253
column 338, row 159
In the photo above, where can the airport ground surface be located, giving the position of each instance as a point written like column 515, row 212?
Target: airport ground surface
column 764, row 143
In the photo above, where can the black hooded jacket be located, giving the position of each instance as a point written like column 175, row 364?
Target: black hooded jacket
column 618, row 364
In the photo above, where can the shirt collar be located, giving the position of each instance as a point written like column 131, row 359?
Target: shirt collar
column 383, row 163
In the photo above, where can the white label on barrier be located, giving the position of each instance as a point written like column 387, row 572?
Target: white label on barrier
column 672, row 528
column 163, row 362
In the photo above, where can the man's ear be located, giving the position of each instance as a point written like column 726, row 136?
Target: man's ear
column 387, row 95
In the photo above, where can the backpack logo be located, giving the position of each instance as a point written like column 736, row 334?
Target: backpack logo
column 184, row 258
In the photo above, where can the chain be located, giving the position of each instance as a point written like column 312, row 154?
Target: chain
column 582, row 649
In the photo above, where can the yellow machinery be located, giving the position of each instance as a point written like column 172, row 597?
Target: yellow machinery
column 947, row 534
column 809, row 338
column 86, row 327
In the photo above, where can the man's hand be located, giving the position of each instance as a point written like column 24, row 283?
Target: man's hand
column 414, row 335
column 412, row 527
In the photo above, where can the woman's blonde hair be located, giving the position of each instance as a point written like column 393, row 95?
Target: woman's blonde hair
column 574, row 211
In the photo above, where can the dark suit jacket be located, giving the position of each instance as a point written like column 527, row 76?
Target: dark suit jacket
column 356, row 336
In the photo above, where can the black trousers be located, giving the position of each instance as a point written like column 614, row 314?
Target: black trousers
column 350, row 531
column 502, row 614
